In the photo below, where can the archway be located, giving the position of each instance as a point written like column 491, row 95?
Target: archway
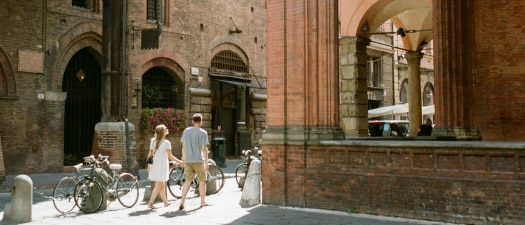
column 229, row 98
column 82, row 82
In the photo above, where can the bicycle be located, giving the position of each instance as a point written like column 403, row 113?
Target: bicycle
column 214, row 179
column 63, row 199
column 242, row 169
column 88, row 192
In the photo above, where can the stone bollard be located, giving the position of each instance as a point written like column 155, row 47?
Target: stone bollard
column 149, row 189
column 20, row 208
column 103, row 179
column 251, row 193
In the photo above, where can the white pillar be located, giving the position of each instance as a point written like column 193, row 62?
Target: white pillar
column 20, row 208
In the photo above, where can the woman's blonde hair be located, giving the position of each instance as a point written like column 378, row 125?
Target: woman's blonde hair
column 160, row 133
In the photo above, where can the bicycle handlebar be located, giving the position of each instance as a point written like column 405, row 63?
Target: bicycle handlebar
column 99, row 160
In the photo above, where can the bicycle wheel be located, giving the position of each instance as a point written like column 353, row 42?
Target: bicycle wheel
column 215, row 179
column 127, row 190
column 88, row 195
column 176, row 181
column 240, row 174
column 63, row 194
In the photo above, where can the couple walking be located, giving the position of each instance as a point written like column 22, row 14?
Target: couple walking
column 194, row 158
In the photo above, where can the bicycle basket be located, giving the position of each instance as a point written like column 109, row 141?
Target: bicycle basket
column 85, row 170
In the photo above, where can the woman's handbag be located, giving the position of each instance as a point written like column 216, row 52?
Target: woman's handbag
column 150, row 159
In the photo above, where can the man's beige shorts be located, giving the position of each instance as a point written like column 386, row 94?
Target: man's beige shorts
column 195, row 168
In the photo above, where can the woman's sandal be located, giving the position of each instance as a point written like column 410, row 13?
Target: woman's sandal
column 151, row 206
column 166, row 204
column 181, row 207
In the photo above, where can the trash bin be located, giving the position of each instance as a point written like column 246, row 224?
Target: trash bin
column 219, row 150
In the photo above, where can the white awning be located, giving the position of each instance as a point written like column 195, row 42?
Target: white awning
column 398, row 110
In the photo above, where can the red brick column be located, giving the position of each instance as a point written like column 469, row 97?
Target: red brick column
column 303, row 88
column 454, row 81
column 303, row 93
column 110, row 140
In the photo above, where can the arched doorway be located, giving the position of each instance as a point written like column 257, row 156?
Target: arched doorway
column 229, row 99
column 82, row 82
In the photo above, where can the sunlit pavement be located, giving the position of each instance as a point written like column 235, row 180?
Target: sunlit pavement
column 225, row 209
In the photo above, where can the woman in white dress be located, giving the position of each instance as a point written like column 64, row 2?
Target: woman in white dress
column 160, row 149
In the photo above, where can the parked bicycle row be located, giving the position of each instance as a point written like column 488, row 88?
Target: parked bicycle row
column 86, row 189
column 92, row 184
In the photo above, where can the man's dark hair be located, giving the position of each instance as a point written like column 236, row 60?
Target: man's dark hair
column 197, row 118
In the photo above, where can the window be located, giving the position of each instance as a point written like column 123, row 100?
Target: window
column 159, row 90
column 428, row 94
column 375, row 72
column 228, row 60
column 153, row 9
column 80, row 3
column 403, row 95
column 92, row 5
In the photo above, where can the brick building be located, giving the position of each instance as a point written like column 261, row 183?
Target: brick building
column 210, row 58
column 470, row 171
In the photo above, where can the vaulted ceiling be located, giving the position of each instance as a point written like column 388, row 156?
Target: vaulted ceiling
column 360, row 17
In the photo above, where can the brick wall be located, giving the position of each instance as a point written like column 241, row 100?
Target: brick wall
column 460, row 182
column 499, row 69
column 32, row 129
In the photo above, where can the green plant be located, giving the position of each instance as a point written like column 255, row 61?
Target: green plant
column 352, row 210
column 175, row 120
column 151, row 95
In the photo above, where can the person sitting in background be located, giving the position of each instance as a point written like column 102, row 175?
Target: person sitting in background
column 425, row 129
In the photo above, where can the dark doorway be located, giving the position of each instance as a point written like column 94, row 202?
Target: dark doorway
column 82, row 82
column 224, row 113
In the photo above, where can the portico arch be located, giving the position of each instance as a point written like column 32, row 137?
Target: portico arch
column 359, row 19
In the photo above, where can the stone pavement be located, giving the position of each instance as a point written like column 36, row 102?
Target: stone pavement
column 225, row 209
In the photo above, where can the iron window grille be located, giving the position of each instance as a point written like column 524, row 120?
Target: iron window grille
column 153, row 10
column 159, row 89
column 228, row 60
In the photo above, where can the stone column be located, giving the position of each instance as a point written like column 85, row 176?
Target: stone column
column 453, row 69
column 353, row 78
column 414, row 91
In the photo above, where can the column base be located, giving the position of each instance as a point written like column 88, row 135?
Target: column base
column 290, row 135
column 457, row 133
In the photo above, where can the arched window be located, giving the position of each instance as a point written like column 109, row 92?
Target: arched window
column 228, row 60
column 159, row 89
column 403, row 92
column 428, row 94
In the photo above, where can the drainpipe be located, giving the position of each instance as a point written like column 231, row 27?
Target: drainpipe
column 123, row 86
column 394, row 56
